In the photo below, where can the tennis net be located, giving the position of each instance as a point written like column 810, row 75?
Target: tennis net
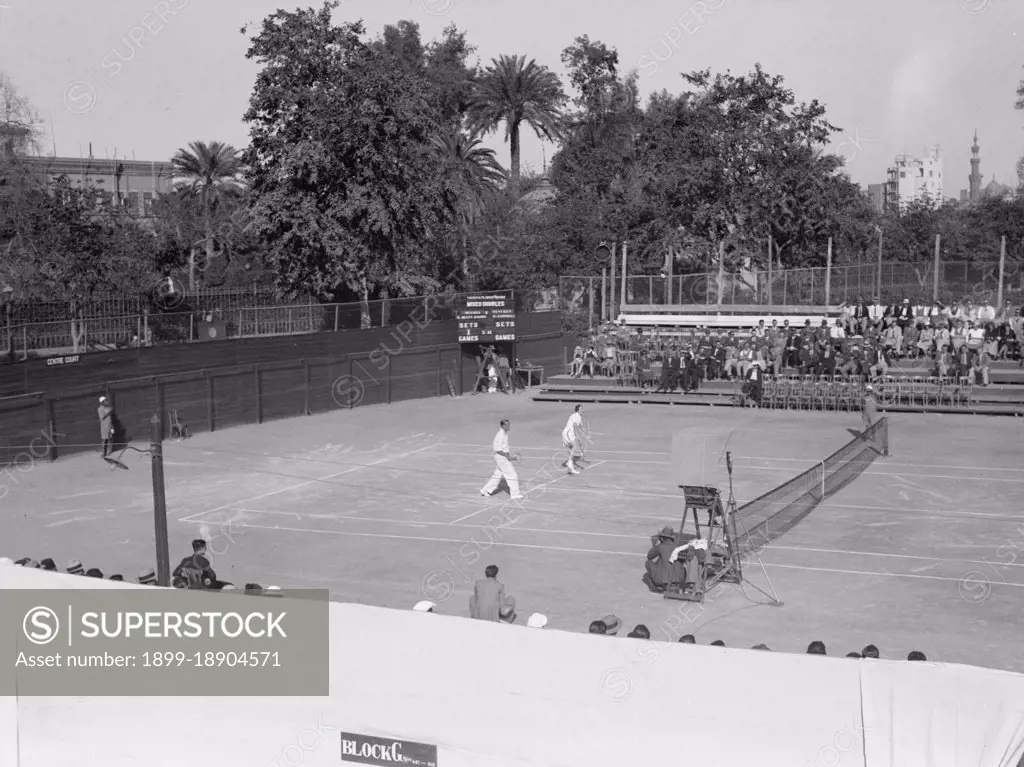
column 775, row 513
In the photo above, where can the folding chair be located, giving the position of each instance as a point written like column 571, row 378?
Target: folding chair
column 966, row 392
column 179, row 429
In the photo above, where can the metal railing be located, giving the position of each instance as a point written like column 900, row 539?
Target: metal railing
column 152, row 328
column 818, row 286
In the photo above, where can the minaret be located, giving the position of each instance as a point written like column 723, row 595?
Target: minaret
column 975, row 178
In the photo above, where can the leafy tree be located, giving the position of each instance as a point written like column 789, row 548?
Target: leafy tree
column 209, row 175
column 513, row 91
column 344, row 187
column 67, row 250
column 474, row 172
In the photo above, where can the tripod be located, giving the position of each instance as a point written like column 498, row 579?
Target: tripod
column 733, row 519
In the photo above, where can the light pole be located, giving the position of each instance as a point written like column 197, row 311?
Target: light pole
column 8, row 300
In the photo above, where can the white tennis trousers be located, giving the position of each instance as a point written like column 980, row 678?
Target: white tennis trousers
column 502, row 470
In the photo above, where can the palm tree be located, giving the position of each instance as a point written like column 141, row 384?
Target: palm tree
column 513, row 91
column 209, row 174
column 476, row 173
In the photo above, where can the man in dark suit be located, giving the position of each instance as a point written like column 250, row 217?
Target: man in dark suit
column 195, row 572
column 792, row 358
column 904, row 314
column 488, row 596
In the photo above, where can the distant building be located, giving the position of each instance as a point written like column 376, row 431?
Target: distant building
column 14, row 140
column 975, row 191
column 130, row 184
column 974, row 180
column 876, row 194
column 540, row 195
column 911, row 179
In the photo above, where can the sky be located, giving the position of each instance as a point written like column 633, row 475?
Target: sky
column 144, row 77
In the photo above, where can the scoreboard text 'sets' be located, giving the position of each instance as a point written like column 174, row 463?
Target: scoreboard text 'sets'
column 486, row 317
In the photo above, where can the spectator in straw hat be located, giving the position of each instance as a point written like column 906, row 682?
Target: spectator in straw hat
column 147, row 577
column 75, row 568
column 661, row 570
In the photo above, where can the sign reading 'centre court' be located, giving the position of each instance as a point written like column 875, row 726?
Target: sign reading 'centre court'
column 384, row 752
column 486, row 317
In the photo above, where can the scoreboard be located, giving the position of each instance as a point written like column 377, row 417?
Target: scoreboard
column 486, row 317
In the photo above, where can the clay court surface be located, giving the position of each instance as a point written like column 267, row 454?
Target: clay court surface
column 925, row 550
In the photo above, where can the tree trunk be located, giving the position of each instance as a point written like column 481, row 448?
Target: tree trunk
column 364, row 306
column 466, row 278
column 77, row 328
column 513, row 183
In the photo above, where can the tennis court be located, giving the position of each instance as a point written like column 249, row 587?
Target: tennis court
column 379, row 504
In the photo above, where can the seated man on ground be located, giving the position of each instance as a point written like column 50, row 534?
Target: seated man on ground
column 662, row 571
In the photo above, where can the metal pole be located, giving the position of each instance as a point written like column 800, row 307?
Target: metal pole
column 828, row 275
column 604, row 293
column 878, row 288
column 721, row 274
column 1002, row 272
column 163, row 554
column 668, row 274
column 590, row 306
column 769, row 271
column 611, row 303
column 936, row 268
column 622, row 309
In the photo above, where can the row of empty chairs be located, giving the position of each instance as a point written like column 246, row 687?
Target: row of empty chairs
column 845, row 393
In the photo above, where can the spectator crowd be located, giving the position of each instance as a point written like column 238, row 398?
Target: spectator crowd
column 866, row 341
column 194, row 572
column 490, row 602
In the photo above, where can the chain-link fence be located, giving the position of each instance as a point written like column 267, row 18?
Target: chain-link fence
column 183, row 323
column 819, row 286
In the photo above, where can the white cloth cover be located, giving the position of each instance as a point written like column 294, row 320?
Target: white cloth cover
column 550, row 698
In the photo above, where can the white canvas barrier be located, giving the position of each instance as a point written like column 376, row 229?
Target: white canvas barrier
column 487, row 694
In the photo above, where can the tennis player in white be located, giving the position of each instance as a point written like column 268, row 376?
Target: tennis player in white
column 503, row 457
column 570, row 437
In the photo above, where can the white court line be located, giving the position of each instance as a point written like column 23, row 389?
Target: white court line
column 632, row 554
column 624, row 536
column 813, row 459
column 307, row 482
column 532, row 489
column 552, row 445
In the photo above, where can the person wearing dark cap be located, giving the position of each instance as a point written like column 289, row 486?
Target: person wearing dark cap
column 816, row 648
column 116, row 577
column 75, row 568
column 93, row 572
column 640, row 631
column 761, row 647
column 488, row 596
column 853, row 655
column 48, row 564
column 916, row 655
column 105, row 412
column 687, row 639
column 194, row 572
column 254, row 589
column 718, row 643
column 870, row 652
column 662, row 572
column 147, row 577
column 27, row 562
column 597, row 627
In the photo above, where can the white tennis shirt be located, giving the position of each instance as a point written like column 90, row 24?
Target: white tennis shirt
column 500, row 444
column 569, row 432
